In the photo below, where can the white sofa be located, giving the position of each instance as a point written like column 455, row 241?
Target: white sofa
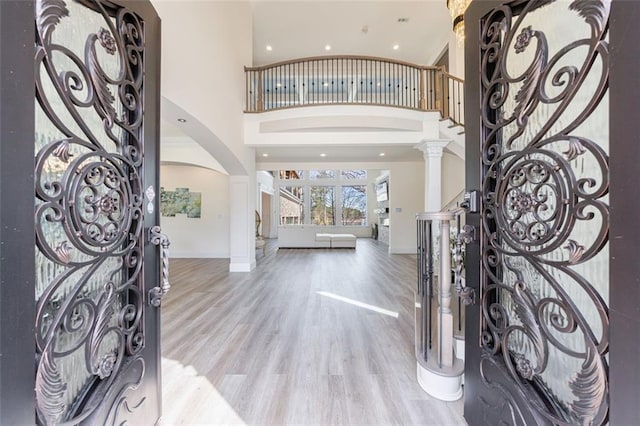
column 314, row 237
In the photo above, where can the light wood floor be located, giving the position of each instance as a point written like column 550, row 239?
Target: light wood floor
column 285, row 343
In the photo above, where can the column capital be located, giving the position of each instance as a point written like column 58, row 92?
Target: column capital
column 433, row 148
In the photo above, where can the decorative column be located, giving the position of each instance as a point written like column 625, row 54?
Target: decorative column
column 432, row 151
column 242, row 224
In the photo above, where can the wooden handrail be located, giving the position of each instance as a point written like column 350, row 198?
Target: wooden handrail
column 361, row 57
column 452, row 77
column 353, row 80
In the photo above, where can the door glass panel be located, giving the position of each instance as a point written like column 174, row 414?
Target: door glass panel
column 545, row 251
column 89, row 67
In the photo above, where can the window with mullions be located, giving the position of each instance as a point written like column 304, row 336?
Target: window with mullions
column 322, row 174
column 354, row 205
column 323, row 197
column 291, row 205
column 323, row 205
column 291, row 174
column 353, row 174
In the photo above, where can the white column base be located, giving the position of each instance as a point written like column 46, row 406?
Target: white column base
column 458, row 347
column 239, row 266
column 444, row 388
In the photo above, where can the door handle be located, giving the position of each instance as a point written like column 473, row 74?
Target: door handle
column 471, row 202
column 156, row 237
column 465, row 236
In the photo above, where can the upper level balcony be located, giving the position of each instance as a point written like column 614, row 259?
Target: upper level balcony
column 354, row 80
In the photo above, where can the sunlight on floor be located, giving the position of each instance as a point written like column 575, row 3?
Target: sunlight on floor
column 198, row 402
column 359, row 304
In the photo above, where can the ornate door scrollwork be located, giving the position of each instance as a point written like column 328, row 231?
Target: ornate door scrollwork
column 545, row 213
column 90, row 334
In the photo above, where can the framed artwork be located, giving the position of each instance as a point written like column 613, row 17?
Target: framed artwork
column 180, row 201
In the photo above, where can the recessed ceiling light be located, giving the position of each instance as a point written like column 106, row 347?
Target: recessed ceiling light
column 396, row 46
column 323, row 155
column 278, row 84
column 182, row 120
column 325, row 84
column 327, row 47
column 269, row 48
column 381, row 154
column 265, row 155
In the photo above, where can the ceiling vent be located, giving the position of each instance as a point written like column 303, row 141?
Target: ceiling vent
column 403, row 20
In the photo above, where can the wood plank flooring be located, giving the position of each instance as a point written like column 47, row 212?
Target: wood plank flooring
column 310, row 337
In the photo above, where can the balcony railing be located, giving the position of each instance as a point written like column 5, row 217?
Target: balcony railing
column 453, row 97
column 355, row 80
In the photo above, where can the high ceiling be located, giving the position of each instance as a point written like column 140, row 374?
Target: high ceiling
column 302, row 28
column 296, row 29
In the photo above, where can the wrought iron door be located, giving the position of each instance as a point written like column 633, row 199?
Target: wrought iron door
column 97, row 272
column 541, row 354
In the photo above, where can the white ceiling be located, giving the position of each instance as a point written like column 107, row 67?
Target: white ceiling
column 337, row 153
column 302, row 28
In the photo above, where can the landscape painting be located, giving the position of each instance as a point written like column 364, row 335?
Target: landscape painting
column 180, row 201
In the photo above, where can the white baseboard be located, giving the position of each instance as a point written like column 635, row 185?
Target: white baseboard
column 242, row 266
column 402, row 250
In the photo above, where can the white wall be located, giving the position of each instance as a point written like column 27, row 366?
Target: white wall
column 456, row 57
column 205, row 45
column 209, row 235
column 406, row 198
column 453, row 173
column 185, row 150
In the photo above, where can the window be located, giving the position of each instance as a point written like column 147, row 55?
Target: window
column 323, row 197
column 322, row 174
column 291, row 205
column 323, row 205
column 354, row 205
column 354, row 174
column 290, row 174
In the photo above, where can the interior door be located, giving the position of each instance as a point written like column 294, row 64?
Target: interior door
column 98, row 282
column 538, row 351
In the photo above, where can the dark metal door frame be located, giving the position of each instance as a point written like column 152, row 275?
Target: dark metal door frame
column 624, row 311
column 17, row 248
column 17, row 268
